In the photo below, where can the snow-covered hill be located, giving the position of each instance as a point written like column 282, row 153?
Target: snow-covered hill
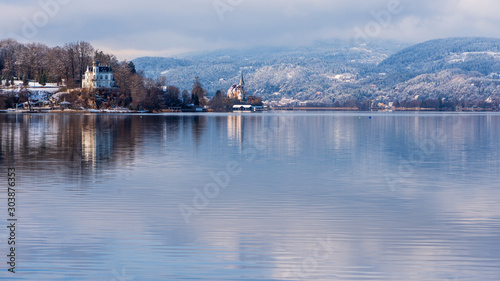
column 452, row 68
column 287, row 71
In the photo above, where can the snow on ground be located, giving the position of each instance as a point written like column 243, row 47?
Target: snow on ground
column 58, row 95
column 38, row 92
column 33, row 87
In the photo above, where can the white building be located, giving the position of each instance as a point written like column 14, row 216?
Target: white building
column 237, row 91
column 98, row 77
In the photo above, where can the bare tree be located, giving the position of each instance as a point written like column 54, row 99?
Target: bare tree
column 172, row 96
column 8, row 57
column 32, row 60
column 106, row 59
column 84, row 52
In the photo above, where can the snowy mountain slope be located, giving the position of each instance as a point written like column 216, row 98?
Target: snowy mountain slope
column 269, row 70
column 455, row 68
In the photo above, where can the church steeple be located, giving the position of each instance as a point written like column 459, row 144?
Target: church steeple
column 237, row 91
column 242, row 82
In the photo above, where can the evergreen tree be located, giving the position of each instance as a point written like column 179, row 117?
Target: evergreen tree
column 42, row 80
column 12, row 81
column 185, row 97
column 198, row 93
column 25, row 81
column 195, row 99
column 131, row 65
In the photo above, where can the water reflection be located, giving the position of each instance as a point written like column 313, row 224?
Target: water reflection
column 101, row 196
column 234, row 129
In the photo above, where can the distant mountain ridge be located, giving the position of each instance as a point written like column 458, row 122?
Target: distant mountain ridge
column 469, row 54
column 337, row 70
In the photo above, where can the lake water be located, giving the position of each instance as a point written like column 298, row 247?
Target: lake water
column 269, row 196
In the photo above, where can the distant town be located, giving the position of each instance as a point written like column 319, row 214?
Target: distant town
column 78, row 77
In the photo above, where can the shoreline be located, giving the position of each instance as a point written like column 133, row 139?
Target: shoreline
column 315, row 109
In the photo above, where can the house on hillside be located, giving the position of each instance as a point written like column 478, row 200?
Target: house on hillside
column 98, row 76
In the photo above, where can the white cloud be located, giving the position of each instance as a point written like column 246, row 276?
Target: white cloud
column 151, row 27
column 486, row 9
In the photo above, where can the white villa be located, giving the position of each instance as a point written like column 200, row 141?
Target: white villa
column 98, row 77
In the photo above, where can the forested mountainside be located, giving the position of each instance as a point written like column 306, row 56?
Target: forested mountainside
column 453, row 68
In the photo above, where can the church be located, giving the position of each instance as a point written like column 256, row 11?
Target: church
column 237, row 91
column 98, row 76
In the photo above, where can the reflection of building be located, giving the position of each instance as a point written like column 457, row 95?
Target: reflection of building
column 237, row 91
column 98, row 77
column 89, row 143
column 234, row 128
column 97, row 142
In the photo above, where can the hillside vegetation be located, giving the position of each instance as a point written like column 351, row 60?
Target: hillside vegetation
column 329, row 71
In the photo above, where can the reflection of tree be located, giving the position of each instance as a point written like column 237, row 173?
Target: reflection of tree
column 198, row 126
column 171, row 125
column 220, row 124
column 83, row 147
column 76, row 145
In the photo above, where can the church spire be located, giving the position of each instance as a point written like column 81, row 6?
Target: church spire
column 242, row 83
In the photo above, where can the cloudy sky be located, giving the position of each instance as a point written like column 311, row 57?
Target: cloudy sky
column 163, row 28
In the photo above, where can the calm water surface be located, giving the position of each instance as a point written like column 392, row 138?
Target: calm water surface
column 271, row 196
